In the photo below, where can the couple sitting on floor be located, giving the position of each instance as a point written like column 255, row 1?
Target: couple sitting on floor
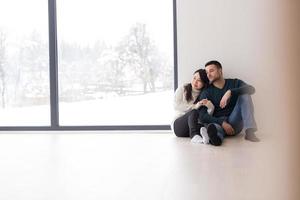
column 210, row 107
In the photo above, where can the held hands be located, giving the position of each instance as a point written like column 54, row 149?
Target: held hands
column 228, row 128
column 225, row 99
column 203, row 102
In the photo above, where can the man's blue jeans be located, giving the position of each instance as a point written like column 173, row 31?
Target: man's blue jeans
column 241, row 117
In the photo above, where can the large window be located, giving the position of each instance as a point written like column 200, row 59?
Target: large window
column 24, row 63
column 86, row 63
column 115, row 62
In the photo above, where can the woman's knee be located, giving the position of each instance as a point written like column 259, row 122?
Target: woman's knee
column 181, row 135
column 181, row 129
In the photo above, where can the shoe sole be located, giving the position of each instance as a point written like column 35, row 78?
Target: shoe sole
column 213, row 135
column 204, row 135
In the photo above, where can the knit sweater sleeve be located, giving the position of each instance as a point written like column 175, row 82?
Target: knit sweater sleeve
column 180, row 104
column 240, row 87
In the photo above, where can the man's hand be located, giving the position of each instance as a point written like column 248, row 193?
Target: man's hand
column 225, row 99
column 228, row 128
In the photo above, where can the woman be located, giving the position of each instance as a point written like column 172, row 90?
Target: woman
column 185, row 122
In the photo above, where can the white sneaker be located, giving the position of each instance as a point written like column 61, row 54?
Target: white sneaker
column 197, row 139
column 205, row 138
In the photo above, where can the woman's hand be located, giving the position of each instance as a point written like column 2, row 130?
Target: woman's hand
column 203, row 102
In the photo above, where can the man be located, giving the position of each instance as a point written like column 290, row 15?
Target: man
column 233, row 106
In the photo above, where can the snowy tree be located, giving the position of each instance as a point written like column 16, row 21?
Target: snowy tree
column 166, row 74
column 140, row 53
column 34, row 70
column 81, row 70
column 2, row 70
column 112, row 71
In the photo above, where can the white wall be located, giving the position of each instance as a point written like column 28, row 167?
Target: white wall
column 247, row 36
column 257, row 41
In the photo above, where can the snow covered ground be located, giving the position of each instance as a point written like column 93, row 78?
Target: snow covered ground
column 149, row 109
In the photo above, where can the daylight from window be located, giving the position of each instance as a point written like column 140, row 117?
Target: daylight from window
column 115, row 62
column 24, row 63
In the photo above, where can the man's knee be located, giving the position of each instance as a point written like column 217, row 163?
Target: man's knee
column 245, row 102
column 245, row 97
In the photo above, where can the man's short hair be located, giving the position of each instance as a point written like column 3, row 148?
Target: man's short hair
column 214, row 62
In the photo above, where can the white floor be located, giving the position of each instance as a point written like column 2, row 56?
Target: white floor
column 135, row 166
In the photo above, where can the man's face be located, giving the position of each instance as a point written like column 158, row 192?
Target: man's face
column 213, row 73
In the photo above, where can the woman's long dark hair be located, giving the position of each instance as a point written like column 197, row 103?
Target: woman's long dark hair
column 188, row 87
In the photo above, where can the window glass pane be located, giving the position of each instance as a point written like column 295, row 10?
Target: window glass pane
column 24, row 63
column 115, row 62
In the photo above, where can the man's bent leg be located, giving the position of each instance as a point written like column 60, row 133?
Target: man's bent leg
column 247, row 112
column 242, row 116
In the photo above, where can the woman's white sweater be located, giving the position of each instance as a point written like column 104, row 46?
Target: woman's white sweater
column 182, row 106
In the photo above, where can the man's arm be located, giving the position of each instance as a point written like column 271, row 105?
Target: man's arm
column 242, row 88
column 239, row 88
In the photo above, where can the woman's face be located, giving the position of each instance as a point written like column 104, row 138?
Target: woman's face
column 197, row 82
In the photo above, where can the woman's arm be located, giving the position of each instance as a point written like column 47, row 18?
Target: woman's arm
column 180, row 104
